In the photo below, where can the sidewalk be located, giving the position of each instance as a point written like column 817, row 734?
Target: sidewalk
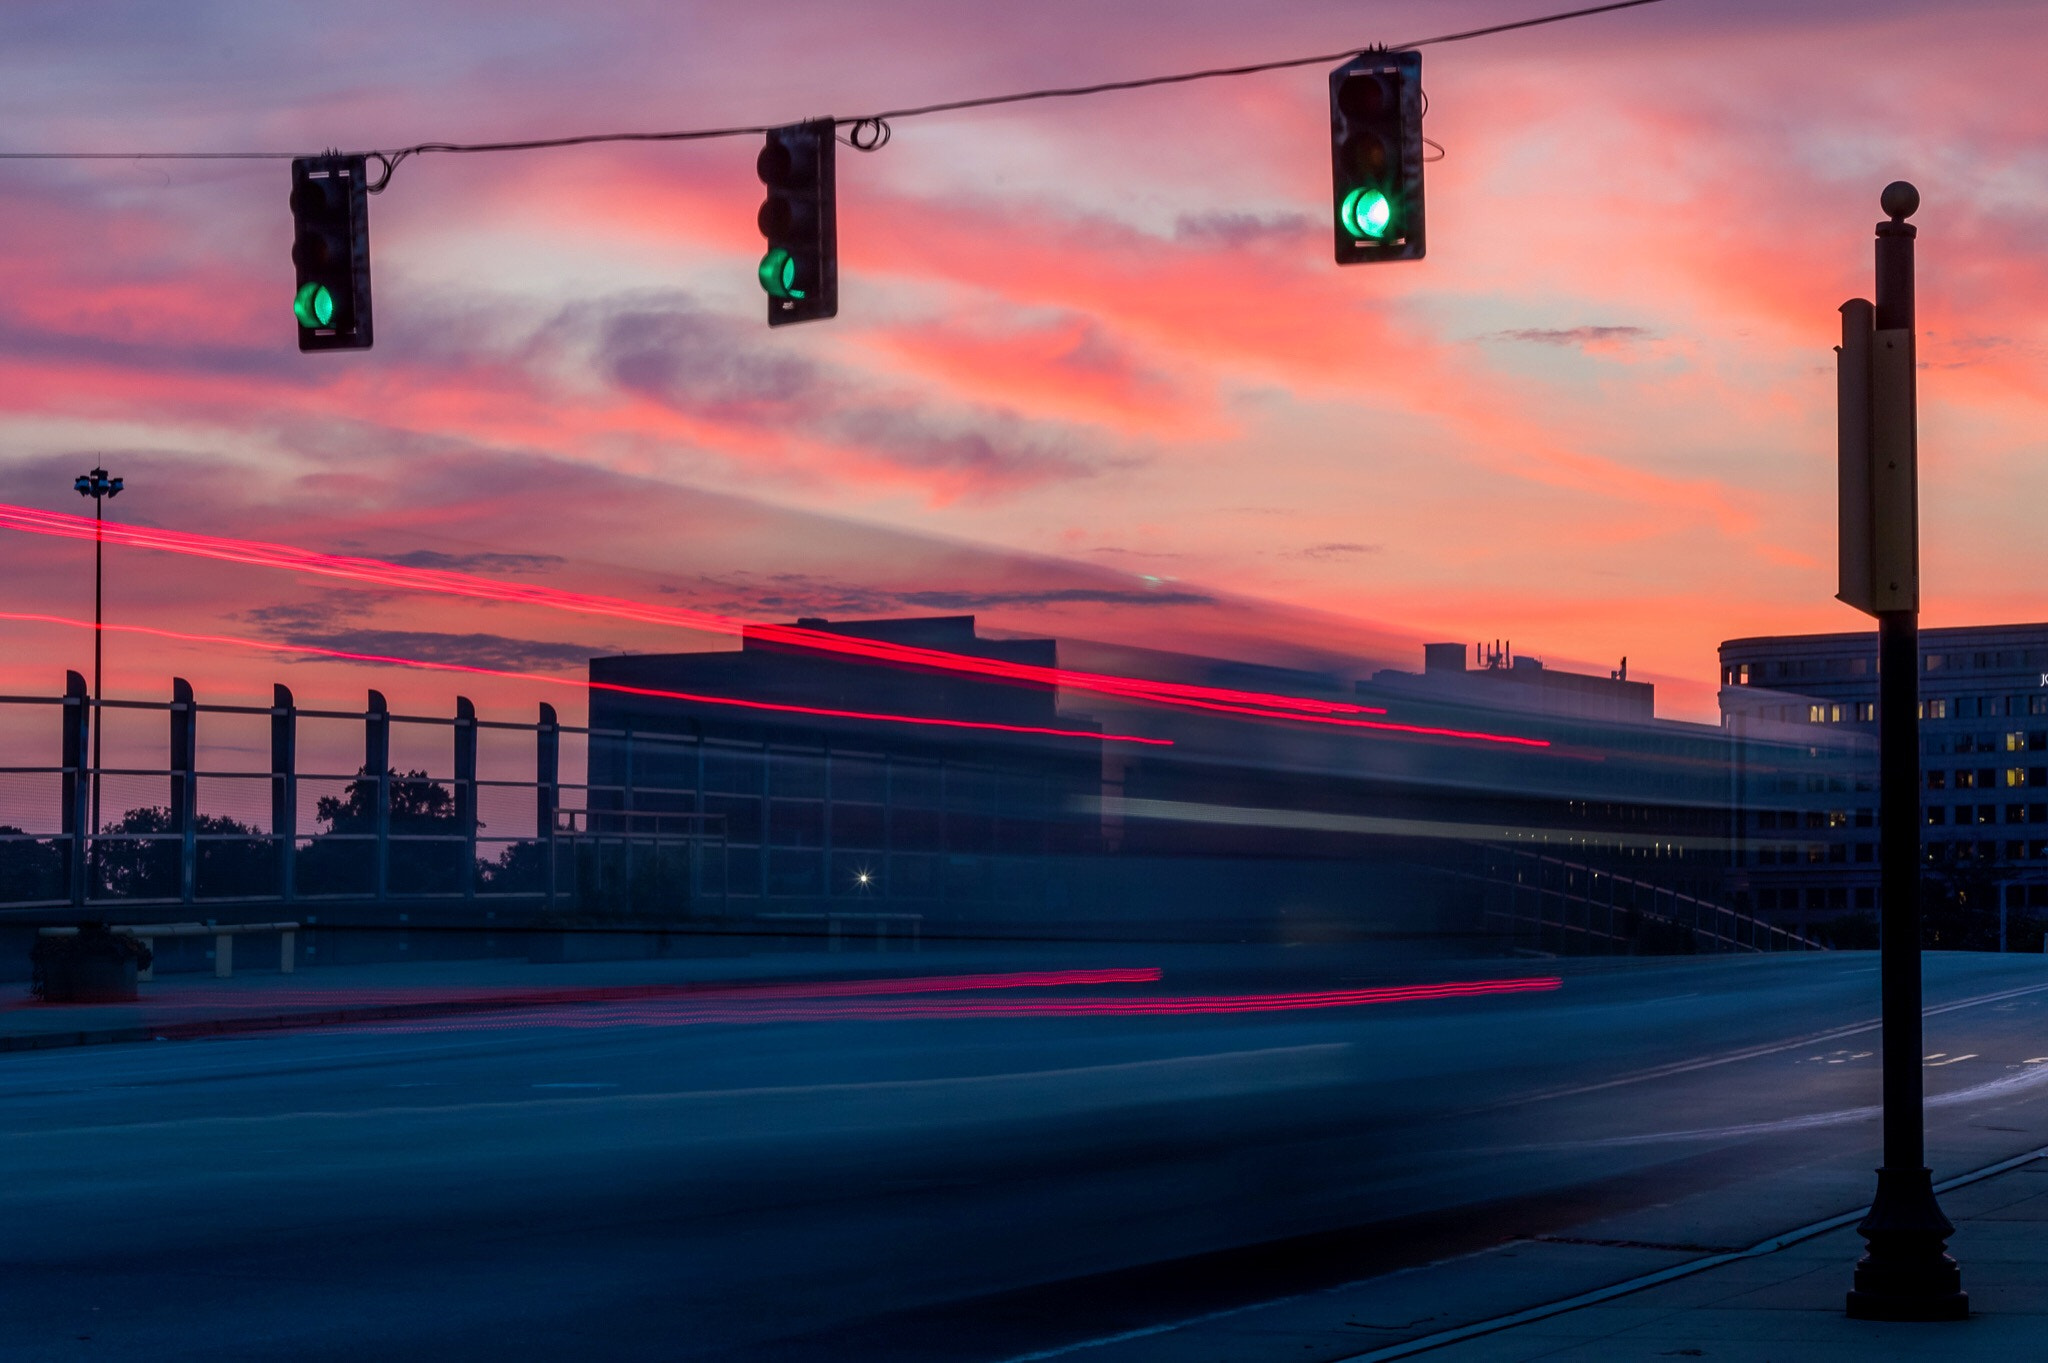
column 1772, row 1303
column 179, row 1007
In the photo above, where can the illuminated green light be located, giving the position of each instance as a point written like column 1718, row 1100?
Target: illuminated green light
column 1366, row 213
column 778, row 274
column 314, row 306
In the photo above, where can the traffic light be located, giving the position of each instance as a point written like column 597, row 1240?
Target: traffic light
column 800, row 271
column 1376, row 157
column 331, row 252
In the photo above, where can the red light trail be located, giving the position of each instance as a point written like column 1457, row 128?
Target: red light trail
column 799, row 1008
column 1253, row 704
column 340, row 655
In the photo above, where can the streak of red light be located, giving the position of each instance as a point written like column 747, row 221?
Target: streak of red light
column 685, row 1014
column 1261, row 705
column 341, row 655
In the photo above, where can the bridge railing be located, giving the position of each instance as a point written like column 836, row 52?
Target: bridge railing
column 303, row 830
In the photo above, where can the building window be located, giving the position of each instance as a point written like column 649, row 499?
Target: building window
column 1935, row 662
column 1936, row 815
column 1937, row 780
column 1866, row 711
column 2037, row 705
column 1838, row 818
column 1934, row 709
column 1866, row 897
column 1965, row 779
column 1816, row 853
column 1866, row 851
column 2015, row 813
column 1864, row 818
column 1816, row 714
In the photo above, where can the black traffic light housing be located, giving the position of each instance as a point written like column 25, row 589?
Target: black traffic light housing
column 1376, row 157
column 800, row 270
column 331, row 252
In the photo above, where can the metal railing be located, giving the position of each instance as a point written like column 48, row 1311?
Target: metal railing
column 381, row 837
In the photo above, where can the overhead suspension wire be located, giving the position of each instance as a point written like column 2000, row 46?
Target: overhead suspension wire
column 867, row 132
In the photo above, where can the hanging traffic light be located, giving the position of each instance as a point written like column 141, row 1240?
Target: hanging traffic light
column 1376, row 157
column 331, row 252
column 800, row 270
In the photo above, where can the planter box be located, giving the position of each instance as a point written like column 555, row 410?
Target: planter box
column 90, row 981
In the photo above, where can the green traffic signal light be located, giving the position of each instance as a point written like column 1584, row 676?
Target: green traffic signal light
column 778, row 274
column 314, row 306
column 1366, row 213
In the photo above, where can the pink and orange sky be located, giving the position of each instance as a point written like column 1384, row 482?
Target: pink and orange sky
column 1094, row 373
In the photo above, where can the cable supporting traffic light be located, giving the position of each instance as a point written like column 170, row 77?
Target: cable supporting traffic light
column 799, row 271
column 1376, row 158
column 331, row 252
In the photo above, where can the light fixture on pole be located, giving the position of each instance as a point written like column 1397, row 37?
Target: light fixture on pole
column 98, row 486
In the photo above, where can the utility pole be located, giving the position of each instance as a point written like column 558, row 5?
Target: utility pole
column 99, row 487
column 1906, row 1273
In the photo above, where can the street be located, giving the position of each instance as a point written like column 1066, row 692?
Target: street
column 632, row 1180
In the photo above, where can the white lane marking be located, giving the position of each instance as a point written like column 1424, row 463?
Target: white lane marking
column 1747, row 1053
column 1952, row 1060
column 1217, row 1073
column 575, row 1086
column 1994, row 1088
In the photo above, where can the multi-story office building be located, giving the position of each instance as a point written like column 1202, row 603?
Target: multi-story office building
column 1807, row 838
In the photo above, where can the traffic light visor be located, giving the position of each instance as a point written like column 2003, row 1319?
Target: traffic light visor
column 314, row 306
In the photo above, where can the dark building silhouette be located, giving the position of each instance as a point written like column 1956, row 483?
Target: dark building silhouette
column 799, row 811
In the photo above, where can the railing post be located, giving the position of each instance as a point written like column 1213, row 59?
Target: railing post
column 465, row 789
column 284, row 787
column 377, row 767
column 76, row 814
column 547, row 776
column 184, row 785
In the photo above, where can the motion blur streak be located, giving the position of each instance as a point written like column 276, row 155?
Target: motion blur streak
column 1210, row 1005
column 582, row 685
column 288, row 558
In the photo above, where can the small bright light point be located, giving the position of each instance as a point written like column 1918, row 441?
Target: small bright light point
column 1366, row 213
column 863, row 877
column 778, row 274
column 314, row 307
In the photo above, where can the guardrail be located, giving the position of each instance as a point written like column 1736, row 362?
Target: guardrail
column 224, row 935
column 834, row 920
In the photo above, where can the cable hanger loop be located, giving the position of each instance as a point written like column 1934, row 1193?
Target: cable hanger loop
column 868, row 134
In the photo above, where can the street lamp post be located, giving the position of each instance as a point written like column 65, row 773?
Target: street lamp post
column 98, row 486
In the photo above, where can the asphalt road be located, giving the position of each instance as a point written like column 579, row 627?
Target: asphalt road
column 629, row 1182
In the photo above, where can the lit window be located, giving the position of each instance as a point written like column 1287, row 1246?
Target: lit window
column 1816, row 714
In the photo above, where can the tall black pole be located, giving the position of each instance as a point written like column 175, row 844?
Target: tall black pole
column 99, row 636
column 98, row 486
column 1906, row 1274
